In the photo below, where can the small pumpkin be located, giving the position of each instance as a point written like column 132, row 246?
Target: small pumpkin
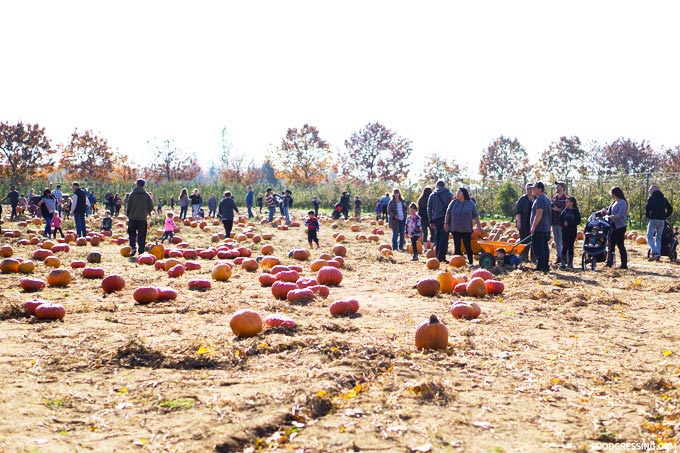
column 145, row 294
column 9, row 266
column 322, row 290
column 250, row 265
column 340, row 250
column 495, row 287
column 126, row 251
column 318, row 264
column 146, row 258
column 266, row 279
column 280, row 289
column 52, row 261
column 432, row 334
column 157, row 250
column 428, row 287
column 192, row 265
column 476, row 287
column 59, row 277
column 26, row 267
column 267, row 249
column 41, row 254
column 465, row 310
column 446, row 281
column 166, row 293
column 31, row 305
column 300, row 296
column 299, row 254
column 93, row 272
column 457, row 261
column 199, row 284
column 30, row 284
column 288, row 276
column 78, row 264
column 483, row 274
column 176, row 271
column 245, row 323
column 94, row 257
column 432, row 263
column 50, row 311
column 221, row 272
column 278, row 320
column 344, row 307
column 113, row 283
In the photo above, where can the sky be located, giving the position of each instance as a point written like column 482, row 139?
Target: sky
column 448, row 75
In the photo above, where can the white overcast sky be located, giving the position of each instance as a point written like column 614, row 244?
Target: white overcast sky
column 449, row 75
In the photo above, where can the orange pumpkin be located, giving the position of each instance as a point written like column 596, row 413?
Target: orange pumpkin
column 483, row 274
column 157, row 250
column 9, row 266
column 59, row 277
column 268, row 262
column 113, row 283
column 428, row 287
column 6, row 251
column 221, row 272
column 340, row 250
column 267, row 279
column 446, row 281
column 494, row 287
column 457, row 261
column 288, row 276
column 476, row 287
column 245, row 323
column 299, row 254
column 125, row 251
column 250, row 265
column 26, row 267
column 432, row 334
column 433, row 263
column 52, row 261
column 465, row 310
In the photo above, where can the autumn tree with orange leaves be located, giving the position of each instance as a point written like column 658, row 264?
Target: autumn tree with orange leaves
column 302, row 158
column 26, row 153
column 87, row 157
column 504, row 158
column 375, row 153
column 170, row 163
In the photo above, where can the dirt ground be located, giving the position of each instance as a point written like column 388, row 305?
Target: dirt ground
column 565, row 361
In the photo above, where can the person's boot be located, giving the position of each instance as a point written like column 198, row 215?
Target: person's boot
column 571, row 260
column 563, row 261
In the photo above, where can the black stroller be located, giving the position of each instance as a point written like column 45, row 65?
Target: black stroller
column 595, row 241
column 337, row 210
column 669, row 243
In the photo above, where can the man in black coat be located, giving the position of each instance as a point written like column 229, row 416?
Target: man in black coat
column 657, row 210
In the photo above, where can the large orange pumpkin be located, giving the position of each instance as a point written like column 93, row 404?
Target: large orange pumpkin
column 221, row 272
column 432, row 334
column 476, row 287
column 446, row 281
column 267, row 262
column 26, row 267
column 457, row 261
column 52, row 261
column 9, row 266
column 298, row 254
column 329, row 276
column 246, row 323
column 59, row 277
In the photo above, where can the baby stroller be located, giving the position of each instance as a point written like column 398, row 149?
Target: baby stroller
column 669, row 243
column 337, row 210
column 595, row 240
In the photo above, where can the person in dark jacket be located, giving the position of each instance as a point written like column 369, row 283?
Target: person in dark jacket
column 344, row 201
column 657, row 210
column 212, row 206
column 570, row 218
column 437, row 204
column 523, row 217
column 226, row 211
column 139, row 206
column 250, row 195
column 428, row 231
column 79, row 206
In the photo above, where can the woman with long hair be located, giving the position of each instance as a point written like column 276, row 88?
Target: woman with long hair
column 428, row 231
column 460, row 215
column 397, row 211
column 183, row 203
column 617, row 213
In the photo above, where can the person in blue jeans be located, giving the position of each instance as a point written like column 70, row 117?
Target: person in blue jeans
column 270, row 201
column 79, row 206
column 249, row 201
column 657, row 210
column 397, row 210
column 541, row 221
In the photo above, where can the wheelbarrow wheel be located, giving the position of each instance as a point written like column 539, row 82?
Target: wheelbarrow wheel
column 486, row 260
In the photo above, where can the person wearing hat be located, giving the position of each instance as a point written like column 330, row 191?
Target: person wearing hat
column 138, row 207
column 541, row 221
column 523, row 217
column 559, row 202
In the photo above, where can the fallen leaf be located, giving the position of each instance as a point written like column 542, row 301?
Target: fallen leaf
column 667, row 352
column 421, row 449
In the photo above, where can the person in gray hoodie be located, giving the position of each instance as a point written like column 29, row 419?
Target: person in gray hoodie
column 138, row 207
column 437, row 204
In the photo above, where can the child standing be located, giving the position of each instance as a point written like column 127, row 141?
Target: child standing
column 107, row 221
column 570, row 218
column 56, row 226
column 414, row 228
column 312, row 224
column 169, row 226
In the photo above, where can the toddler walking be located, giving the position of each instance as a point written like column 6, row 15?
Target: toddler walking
column 56, row 226
column 169, row 227
column 414, row 228
column 312, row 224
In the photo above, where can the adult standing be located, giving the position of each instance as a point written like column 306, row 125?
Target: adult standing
column 58, row 196
column 396, row 214
column 437, row 204
column 250, row 195
column 172, row 202
column 260, row 202
column 344, row 202
column 357, row 208
column 183, row 203
column 617, row 213
column 422, row 212
column 212, row 206
column 523, row 217
column 541, row 221
column 287, row 204
column 384, row 201
column 117, row 203
column 657, row 210
column 270, row 201
column 139, row 206
column 13, row 197
column 315, row 206
column 48, row 206
column 459, row 218
column 79, row 206
column 559, row 202
column 196, row 200
column 226, row 210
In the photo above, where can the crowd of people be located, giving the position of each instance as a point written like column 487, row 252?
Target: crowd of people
column 437, row 216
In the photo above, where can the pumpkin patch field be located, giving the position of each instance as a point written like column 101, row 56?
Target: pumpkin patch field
column 257, row 343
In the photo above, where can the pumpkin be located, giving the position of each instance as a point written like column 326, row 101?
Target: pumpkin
column 318, row 264
column 433, row 263
column 641, row 240
column 52, row 261
column 304, row 282
column 59, row 277
column 95, row 241
column 113, row 283
column 288, row 276
column 428, row 287
column 494, row 287
column 277, row 320
column 81, row 242
column 245, row 323
column 61, row 248
column 192, row 265
column 9, row 266
column 176, row 271
column 267, row 262
column 457, row 261
column 295, row 268
column 93, row 272
column 256, row 239
column 245, row 252
column 6, row 251
column 158, row 251
column 344, row 307
column 340, row 238
column 125, row 251
column 41, row 254
column 145, row 294
column 476, row 287
column 267, row 249
column 298, row 254
column 300, row 296
column 432, row 334
column 207, row 254
column 325, row 257
column 355, row 227
column 190, row 254
column 199, row 284
column 432, row 253
column 170, row 263
column 159, row 265
column 281, row 289
column 78, row 264
column 250, row 265
column 329, row 276
column 31, row 305
column 26, row 267
column 146, row 258
column 221, row 272
column 238, row 261
column 338, row 259
column 340, row 250
column 50, row 311
column 446, row 281
column 465, row 310
column 166, row 293
column 48, row 245
column 322, row 290
column 483, row 274
column 267, row 279
column 30, row 284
